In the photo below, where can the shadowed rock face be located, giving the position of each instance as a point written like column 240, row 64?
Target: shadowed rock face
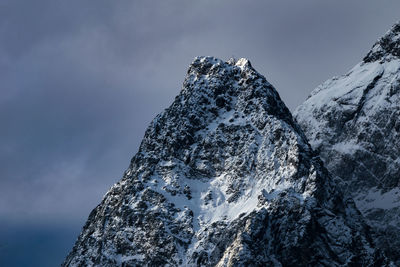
column 387, row 46
column 353, row 122
column 224, row 177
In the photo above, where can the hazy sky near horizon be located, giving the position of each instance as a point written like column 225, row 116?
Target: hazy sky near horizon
column 81, row 80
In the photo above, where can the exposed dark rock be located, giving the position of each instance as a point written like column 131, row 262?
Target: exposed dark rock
column 218, row 186
column 353, row 122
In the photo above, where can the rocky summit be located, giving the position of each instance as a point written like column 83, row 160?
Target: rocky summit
column 353, row 122
column 225, row 177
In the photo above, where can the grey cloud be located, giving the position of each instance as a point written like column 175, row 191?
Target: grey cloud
column 81, row 80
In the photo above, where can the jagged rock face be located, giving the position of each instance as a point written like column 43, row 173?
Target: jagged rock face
column 353, row 121
column 224, row 177
column 387, row 47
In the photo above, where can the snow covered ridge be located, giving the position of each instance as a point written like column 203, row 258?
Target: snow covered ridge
column 353, row 122
column 225, row 177
column 386, row 47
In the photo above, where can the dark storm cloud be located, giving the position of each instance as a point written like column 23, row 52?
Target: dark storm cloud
column 80, row 80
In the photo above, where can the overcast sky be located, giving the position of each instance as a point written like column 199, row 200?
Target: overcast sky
column 81, row 80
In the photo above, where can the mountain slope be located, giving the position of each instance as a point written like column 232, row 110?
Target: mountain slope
column 224, row 177
column 353, row 121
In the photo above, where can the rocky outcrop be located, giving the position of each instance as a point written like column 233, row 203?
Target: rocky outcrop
column 225, row 177
column 353, row 122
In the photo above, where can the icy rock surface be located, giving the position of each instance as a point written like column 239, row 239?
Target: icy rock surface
column 387, row 47
column 224, row 177
column 353, row 122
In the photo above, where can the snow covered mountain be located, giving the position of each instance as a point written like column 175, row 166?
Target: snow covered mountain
column 225, row 177
column 353, row 122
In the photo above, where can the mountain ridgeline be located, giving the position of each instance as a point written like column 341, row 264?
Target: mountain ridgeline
column 353, row 121
column 226, row 177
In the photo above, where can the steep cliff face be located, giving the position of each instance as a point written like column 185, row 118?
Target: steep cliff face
column 224, row 177
column 353, row 122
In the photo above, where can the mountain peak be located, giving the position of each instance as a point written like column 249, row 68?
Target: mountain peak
column 224, row 177
column 213, row 87
column 241, row 62
column 206, row 65
column 353, row 122
column 387, row 47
